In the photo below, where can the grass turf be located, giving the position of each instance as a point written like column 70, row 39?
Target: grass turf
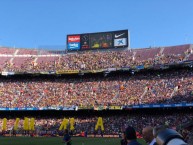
column 58, row 141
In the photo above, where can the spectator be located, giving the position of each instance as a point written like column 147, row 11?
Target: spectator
column 147, row 133
column 67, row 138
column 131, row 136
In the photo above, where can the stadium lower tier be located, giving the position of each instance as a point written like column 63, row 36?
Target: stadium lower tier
column 93, row 123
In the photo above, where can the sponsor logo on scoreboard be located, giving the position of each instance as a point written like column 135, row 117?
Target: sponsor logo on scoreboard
column 75, row 38
column 120, row 42
column 74, row 46
column 85, row 41
column 117, row 36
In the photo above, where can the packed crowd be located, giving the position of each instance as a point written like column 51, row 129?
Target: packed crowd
column 113, row 124
column 174, row 86
column 90, row 61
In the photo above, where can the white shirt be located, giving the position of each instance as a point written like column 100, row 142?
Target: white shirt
column 153, row 141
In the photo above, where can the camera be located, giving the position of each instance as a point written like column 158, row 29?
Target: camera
column 169, row 137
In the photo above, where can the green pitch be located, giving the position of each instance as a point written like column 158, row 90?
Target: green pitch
column 58, row 141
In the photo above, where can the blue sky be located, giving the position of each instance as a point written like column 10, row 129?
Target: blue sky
column 37, row 23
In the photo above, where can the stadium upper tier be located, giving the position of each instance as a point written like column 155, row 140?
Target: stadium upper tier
column 22, row 60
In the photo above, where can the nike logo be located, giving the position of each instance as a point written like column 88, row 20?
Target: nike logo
column 116, row 36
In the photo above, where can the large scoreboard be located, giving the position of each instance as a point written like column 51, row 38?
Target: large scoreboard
column 100, row 40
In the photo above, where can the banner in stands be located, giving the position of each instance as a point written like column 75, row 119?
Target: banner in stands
column 99, row 124
column 44, row 108
column 139, row 67
column 7, row 73
column 111, row 69
column 67, row 72
column 4, row 126
column 20, row 73
column 65, row 123
column 100, row 40
column 48, row 72
column 102, row 107
column 160, row 105
column 86, row 71
column 124, row 68
column 69, row 108
column 16, row 124
column 85, row 107
column 115, row 107
column 97, row 71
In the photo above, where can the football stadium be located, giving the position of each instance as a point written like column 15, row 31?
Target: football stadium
column 95, row 94
column 97, row 90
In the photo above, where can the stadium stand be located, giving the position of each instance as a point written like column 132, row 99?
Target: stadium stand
column 7, row 51
column 103, row 60
column 120, row 90
column 147, row 54
column 4, row 61
column 113, row 124
column 176, row 50
column 27, row 52
column 166, row 88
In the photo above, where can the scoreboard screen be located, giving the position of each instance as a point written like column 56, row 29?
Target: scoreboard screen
column 101, row 40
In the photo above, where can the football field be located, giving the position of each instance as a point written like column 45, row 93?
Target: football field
column 58, row 141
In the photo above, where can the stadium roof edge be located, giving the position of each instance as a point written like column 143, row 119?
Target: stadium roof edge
column 155, row 47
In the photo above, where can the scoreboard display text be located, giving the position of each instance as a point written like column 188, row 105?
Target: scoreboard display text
column 102, row 40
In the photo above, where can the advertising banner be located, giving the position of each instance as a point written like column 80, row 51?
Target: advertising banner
column 67, row 72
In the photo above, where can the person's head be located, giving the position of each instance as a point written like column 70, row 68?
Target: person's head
column 158, row 129
column 147, row 133
column 130, row 133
